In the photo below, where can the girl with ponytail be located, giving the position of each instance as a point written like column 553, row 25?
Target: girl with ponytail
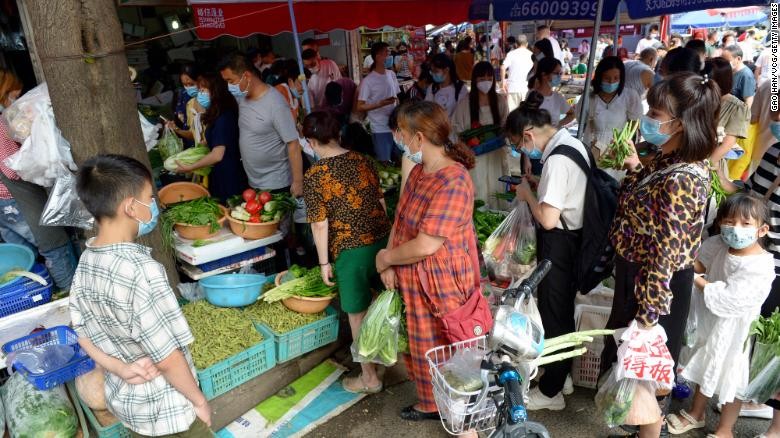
column 432, row 256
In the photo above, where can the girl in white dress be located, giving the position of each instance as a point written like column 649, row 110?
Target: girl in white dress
column 736, row 275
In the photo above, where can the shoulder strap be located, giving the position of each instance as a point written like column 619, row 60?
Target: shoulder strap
column 574, row 155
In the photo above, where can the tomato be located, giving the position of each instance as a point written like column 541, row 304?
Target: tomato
column 248, row 194
column 254, row 219
column 252, row 206
column 473, row 142
column 475, row 125
column 265, row 197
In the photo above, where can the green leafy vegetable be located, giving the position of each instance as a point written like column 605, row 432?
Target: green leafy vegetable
column 37, row 414
column 279, row 318
column 716, row 188
column 220, row 332
column 202, row 211
column 485, row 221
column 310, row 285
column 620, row 148
column 378, row 338
column 189, row 156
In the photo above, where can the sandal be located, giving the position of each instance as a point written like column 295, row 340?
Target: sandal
column 356, row 385
column 676, row 425
column 409, row 413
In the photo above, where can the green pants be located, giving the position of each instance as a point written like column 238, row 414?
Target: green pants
column 197, row 430
column 355, row 270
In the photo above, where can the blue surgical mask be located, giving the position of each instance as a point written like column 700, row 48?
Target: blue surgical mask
column 204, row 99
column 610, row 88
column 738, row 237
column 147, row 227
column 651, row 131
column 775, row 128
column 416, row 158
column 539, row 56
column 235, row 89
column 389, row 62
column 191, row 90
column 555, row 81
column 438, row 77
column 534, row 153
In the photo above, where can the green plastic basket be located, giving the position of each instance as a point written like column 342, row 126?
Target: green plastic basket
column 307, row 338
column 236, row 370
column 116, row 430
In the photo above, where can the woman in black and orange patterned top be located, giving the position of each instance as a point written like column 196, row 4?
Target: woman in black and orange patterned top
column 346, row 209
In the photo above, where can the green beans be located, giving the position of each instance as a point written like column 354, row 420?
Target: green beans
column 716, row 188
column 620, row 148
column 279, row 318
column 220, row 332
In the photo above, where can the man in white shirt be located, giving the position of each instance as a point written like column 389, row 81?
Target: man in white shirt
column 640, row 73
column 514, row 72
column 763, row 66
column 543, row 31
column 748, row 45
column 377, row 97
column 649, row 41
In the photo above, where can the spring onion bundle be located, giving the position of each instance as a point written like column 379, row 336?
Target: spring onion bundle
column 310, row 285
column 620, row 148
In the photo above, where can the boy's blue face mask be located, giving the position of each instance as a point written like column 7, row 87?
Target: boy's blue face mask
column 145, row 228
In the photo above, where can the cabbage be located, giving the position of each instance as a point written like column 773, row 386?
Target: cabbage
column 31, row 413
column 189, row 156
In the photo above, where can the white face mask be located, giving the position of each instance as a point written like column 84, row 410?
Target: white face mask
column 484, row 86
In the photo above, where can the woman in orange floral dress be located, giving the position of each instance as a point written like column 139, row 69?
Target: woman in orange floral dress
column 346, row 209
column 432, row 257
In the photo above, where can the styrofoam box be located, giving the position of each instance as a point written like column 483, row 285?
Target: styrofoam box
column 225, row 244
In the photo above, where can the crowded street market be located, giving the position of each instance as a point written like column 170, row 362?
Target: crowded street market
column 371, row 218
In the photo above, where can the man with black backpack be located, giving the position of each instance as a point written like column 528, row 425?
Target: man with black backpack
column 574, row 208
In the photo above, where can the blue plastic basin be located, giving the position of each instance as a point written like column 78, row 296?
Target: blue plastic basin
column 233, row 290
column 12, row 257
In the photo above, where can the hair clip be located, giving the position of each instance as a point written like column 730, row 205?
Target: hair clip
column 705, row 79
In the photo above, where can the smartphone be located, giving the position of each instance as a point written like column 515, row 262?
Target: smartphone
column 513, row 180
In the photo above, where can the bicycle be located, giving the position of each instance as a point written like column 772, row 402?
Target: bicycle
column 511, row 348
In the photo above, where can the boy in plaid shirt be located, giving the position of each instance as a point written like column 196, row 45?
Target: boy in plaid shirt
column 125, row 313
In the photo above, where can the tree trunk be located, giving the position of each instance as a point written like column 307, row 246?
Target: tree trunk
column 81, row 49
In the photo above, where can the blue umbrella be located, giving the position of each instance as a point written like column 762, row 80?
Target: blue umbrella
column 719, row 18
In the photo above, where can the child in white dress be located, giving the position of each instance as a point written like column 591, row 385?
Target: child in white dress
column 734, row 277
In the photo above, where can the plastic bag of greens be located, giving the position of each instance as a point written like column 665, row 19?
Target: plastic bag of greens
column 462, row 371
column 188, row 156
column 34, row 413
column 764, row 373
column 377, row 341
column 510, row 251
column 613, row 399
column 170, row 144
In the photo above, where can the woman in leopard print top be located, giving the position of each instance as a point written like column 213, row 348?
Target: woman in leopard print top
column 657, row 229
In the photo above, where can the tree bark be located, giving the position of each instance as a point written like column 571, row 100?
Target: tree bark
column 81, row 49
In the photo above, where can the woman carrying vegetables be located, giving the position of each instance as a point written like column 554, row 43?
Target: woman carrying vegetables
column 432, row 257
column 483, row 107
column 658, row 224
column 346, row 209
column 227, row 177
column 611, row 106
column 187, row 111
column 558, row 209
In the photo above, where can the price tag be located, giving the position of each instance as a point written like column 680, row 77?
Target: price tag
column 37, row 298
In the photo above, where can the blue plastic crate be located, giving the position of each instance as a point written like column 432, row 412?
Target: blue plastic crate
column 25, row 284
column 116, row 430
column 60, row 335
column 240, row 368
column 490, row 145
column 307, row 338
column 16, row 302
column 227, row 261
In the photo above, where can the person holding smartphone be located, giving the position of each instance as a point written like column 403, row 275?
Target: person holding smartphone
column 378, row 96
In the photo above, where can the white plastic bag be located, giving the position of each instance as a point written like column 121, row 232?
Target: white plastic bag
column 510, row 251
column 23, row 112
column 64, row 208
column 44, row 155
column 149, row 131
column 191, row 291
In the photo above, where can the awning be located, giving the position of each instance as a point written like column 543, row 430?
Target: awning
column 729, row 17
column 530, row 10
column 214, row 18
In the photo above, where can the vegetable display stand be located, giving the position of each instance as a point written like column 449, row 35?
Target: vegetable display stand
column 60, row 335
column 244, row 366
column 585, row 368
column 116, row 430
column 307, row 338
column 489, row 146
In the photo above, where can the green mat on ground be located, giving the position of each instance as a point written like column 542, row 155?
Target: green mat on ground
column 278, row 405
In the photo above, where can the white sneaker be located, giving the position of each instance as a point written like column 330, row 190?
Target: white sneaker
column 568, row 386
column 538, row 401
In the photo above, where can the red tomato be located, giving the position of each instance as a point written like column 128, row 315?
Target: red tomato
column 248, row 194
column 473, row 142
column 265, row 197
column 252, row 206
column 254, row 219
column 475, row 125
